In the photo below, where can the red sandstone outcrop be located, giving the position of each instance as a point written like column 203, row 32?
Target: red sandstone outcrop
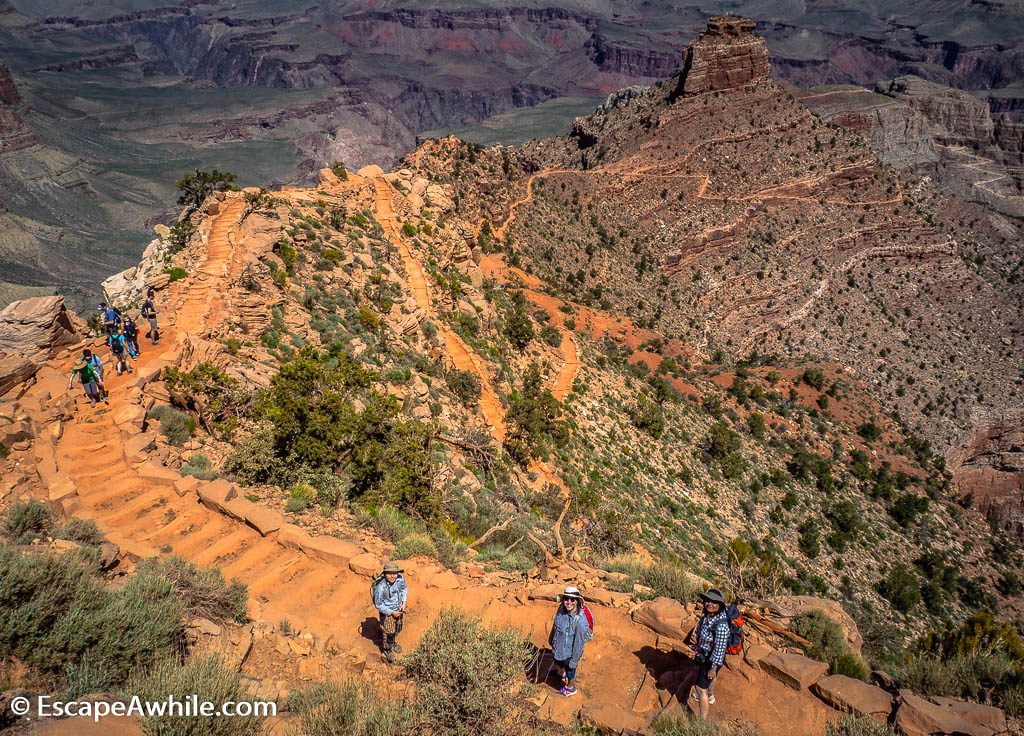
column 727, row 55
column 990, row 469
column 36, row 327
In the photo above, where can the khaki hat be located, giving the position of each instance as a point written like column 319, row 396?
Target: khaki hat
column 78, row 366
column 714, row 596
column 392, row 567
column 570, row 592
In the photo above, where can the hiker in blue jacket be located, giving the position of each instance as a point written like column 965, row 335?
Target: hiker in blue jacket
column 390, row 593
column 569, row 633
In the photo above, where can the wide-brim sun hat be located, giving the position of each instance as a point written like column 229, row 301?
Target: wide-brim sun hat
column 78, row 366
column 714, row 595
column 392, row 567
column 571, row 592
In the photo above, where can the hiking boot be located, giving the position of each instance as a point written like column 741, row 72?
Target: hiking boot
column 567, row 691
column 396, row 648
column 389, row 655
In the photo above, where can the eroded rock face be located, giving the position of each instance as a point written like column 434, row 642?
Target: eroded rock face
column 989, row 468
column 36, row 327
column 727, row 55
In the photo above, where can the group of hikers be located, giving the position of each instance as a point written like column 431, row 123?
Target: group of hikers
column 122, row 339
column 716, row 634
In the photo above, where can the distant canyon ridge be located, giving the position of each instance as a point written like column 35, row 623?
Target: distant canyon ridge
column 101, row 111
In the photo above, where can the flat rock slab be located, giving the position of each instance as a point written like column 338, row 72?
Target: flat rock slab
column 916, row 716
column 216, row 495
column 61, row 487
column 331, row 550
column 445, row 580
column 612, row 717
column 665, row 616
column 158, row 474
column 794, row 670
column 265, row 521
column 984, row 715
column 136, row 449
column 853, row 696
column 366, row 564
column 186, row 484
column 548, row 592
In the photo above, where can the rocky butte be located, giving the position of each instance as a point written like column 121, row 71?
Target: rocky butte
column 14, row 134
column 727, row 55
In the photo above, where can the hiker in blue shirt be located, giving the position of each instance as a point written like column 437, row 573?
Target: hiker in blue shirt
column 119, row 349
column 390, row 594
column 569, row 633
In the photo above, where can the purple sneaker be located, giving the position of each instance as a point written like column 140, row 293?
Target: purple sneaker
column 567, row 691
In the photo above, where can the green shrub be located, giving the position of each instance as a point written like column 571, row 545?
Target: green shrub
column 869, row 431
column 664, row 578
column 814, row 377
column 339, row 170
column 851, row 725
column 648, row 417
column 465, row 385
column 206, row 677
column 198, row 185
column 981, row 659
column 352, row 709
column 415, row 545
column 83, row 531
column 450, row 552
column 551, row 335
column 676, row 726
column 829, row 645
column 465, row 675
column 198, row 466
column 202, row 590
column 26, row 520
column 390, row 524
column 57, row 611
column 300, row 497
column 252, row 461
column 176, row 273
column 901, row 588
column 517, row 325
column 177, row 426
column 181, row 232
column 534, row 419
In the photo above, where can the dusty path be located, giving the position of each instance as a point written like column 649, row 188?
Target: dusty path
column 463, row 358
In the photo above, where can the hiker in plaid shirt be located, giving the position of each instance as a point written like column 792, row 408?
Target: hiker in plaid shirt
column 712, row 639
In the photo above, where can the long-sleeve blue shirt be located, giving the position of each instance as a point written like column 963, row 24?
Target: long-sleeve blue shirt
column 713, row 637
column 568, row 635
column 390, row 597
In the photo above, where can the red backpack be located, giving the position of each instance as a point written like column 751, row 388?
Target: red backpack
column 590, row 621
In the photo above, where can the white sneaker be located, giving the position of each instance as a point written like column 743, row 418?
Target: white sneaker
column 696, row 698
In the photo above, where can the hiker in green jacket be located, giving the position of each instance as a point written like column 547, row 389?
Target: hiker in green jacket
column 88, row 377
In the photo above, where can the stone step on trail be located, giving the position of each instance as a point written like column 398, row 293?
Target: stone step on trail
column 128, row 513
column 254, row 560
column 238, row 539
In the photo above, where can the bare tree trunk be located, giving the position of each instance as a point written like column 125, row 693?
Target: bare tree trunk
column 491, row 532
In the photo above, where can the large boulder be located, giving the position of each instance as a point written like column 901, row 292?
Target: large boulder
column 794, row 670
column 984, row 715
column 665, row 616
column 919, row 717
column 38, row 327
column 853, row 696
column 15, row 369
